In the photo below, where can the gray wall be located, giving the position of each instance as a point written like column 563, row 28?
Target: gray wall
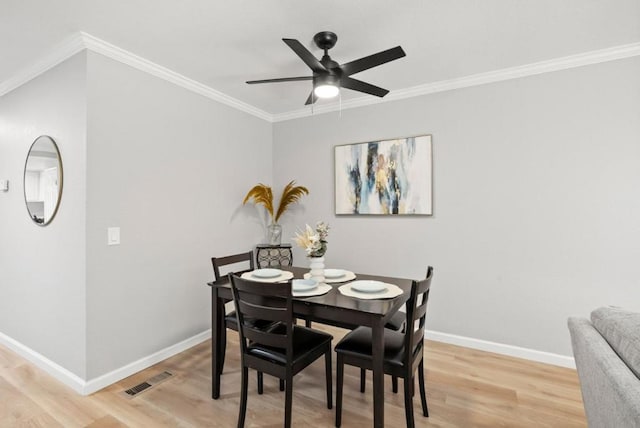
column 535, row 184
column 167, row 166
column 170, row 168
column 536, row 202
column 42, row 270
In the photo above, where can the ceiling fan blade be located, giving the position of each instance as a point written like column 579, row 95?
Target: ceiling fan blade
column 360, row 86
column 371, row 61
column 312, row 99
column 304, row 54
column 282, row 79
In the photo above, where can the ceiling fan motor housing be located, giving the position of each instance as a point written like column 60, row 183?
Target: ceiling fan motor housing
column 325, row 40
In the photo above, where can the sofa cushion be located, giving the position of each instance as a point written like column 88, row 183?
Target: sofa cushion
column 621, row 329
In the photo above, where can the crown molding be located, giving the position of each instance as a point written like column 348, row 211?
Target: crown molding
column 557, row 64
column 80, row 41
column 97, row 45
column 61, row 52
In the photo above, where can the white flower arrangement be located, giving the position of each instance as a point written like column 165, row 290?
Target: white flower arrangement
column 313, row 241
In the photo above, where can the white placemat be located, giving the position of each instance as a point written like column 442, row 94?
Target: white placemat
column 348, row 276
column 286, row 275
column 391, row 292
column 318, row 291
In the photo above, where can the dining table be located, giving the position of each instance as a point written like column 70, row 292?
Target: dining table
column 332, row 308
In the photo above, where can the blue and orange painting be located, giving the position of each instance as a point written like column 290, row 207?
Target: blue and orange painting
column 389, row 177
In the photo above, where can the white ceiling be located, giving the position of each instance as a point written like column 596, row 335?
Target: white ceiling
column 224, row 43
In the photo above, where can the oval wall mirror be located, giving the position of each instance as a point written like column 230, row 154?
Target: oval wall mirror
column 43, row 180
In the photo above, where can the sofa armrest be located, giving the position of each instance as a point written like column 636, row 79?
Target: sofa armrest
column 610, row 390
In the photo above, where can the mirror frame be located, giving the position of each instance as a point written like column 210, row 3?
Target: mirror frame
column 60, row 180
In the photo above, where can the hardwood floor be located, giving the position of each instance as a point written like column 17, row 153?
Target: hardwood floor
column 465, row 388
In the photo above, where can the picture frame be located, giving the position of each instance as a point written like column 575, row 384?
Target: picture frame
column 386, row 177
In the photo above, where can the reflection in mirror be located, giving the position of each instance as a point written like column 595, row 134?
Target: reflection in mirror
column 43, row 180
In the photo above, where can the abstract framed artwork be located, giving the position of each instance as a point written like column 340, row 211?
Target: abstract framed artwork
column 389, row 177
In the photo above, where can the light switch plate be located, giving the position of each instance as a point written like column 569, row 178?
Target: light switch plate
column 113, row 236
column 4, row 185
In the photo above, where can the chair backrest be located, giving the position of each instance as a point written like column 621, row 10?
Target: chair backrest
column 416, row 314
column 263, row 301
column 274, row 256
column 219, row 262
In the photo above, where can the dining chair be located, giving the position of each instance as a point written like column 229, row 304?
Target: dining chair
column 403, row 351
column 245, row 260
column 281, row 352
column 268, row 256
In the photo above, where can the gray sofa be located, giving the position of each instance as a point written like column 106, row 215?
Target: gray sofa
column 607, row 354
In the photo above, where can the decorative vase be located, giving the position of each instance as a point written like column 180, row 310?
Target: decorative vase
column 316, row 265
column 274, row 234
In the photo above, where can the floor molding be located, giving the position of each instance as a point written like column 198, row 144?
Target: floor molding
column 89, row 387
column 63, row 375
column 116, row 375
column 83, row 387
column 503, row 349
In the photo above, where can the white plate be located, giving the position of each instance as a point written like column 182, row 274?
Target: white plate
column 266, row 273
column 368, row 286
column 334, row 273
column 303, row 284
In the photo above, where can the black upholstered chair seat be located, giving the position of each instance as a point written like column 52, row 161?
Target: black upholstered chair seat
column 307, row 343
column 358, row 343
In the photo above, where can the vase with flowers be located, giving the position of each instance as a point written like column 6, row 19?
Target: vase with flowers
column 262, row 194
column 314, row 243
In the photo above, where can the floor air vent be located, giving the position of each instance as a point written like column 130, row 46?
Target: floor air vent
column 144, row 386
column 138, row 388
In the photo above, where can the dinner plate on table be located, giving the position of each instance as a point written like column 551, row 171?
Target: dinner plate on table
column 366, row 286
column 318, row 290
column 334, row 273
column 266, row 273
column 301, row 285
column 370, row 290
column 331, row 276
column 269, row 276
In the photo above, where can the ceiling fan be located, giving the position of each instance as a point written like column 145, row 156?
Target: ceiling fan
column 329, row 76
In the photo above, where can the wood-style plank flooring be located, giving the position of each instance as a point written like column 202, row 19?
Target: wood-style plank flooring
column 465, row 388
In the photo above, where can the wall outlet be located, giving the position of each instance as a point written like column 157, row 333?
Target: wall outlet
column 4, row 185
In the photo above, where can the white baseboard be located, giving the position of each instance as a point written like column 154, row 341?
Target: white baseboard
column 89, row 387
column 114, row 376
column 501, row 348
column 63, row 375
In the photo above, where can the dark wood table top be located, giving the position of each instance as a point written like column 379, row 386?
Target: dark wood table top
column 334, row 300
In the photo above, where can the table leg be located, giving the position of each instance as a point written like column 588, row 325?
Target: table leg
column 378, row 374
column 216, row 325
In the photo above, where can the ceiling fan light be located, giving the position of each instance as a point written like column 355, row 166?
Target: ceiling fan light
column 326, row 91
